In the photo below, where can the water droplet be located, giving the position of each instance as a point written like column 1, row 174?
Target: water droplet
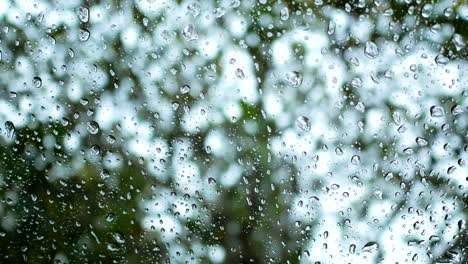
column 190, row 33
column 211, row 181
column 92, row 127
column 95, row 150
column 339, row 151
column 388, row 176
column 184, row 89
column 240, row 74
column 441, row 60
column 371, row 50
column 437, row 111
column 10, row 129
column 104, row 174
column 355, row 160
column 303, row 123
column 83, row 14
column 284, row 14
column 426, row 11
column 83, row 34
column 294, row 78
column 421, row 141
column 456, row 110
column 119, row 237
column 352, row 249
column 396, row 118
column 370, row 247
column 194, row 9
column 37, row 82
column 451, row 170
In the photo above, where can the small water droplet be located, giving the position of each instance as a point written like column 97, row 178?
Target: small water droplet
column 355, row 160
column 194, row 9
column 284, row 13
column 456, row 110
column 303, row 123
column 371, row 50
column 421, row 141
column 211, row 181
column 10, row 129
column 92, row 127
column 370, row 247
column 426, row 11
column 83, row 14
column 83, row 35
column 451, row 170
column 184, row 89
column 190, row 33
column 437, row 111
column 294, row 78
column 441, row 60
column 240, row 74
column 37, row 82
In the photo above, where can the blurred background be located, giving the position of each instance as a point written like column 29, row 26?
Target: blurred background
column 233, row 131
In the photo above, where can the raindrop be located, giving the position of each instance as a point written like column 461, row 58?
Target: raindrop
column 426, row 11
column 294, row 78
column 104, row 174
column 355, row 160
column 437, row 111
column 421, row 141
column 119, row 237
column 83, row 14
column 240, row 74
column 95, row 150
column 211, row 181
column 456, row 110
column 352, row 249
column 303, row 123
column 83, row 34
column 37, row 82
column 371, row 50
column 284, row 14
column 339, row 151
column 92, row 127
column 370, row 247
column 441, row 60
column 190, row 33
column 451, row 170
column 10, row 129
column 184, row 89
column 194, row 9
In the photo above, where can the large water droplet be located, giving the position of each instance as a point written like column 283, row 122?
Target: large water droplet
column 184, row 89
column 426, row 11
column 456, row 110
column 437, row 111
column 190, row 33
column 240, row 74
column 371, row 50
column 284, row 13
column 355, row 160
column 421, row 141
column 83, row 14
column 370, row 247
column 92, row 127
column 83, row 34
column 294, row 78
column 37, row 82
column 441, row 60
column 194, row 9
column 303, row 123
column 10, row 129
